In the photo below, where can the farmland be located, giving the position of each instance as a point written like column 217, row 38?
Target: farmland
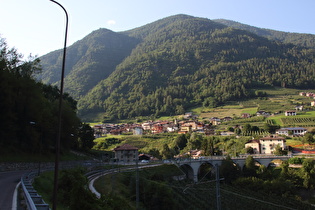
column 277, row 101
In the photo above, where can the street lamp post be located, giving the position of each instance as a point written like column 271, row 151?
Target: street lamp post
column 57, row 155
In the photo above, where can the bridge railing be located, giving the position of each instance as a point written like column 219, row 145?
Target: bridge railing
column 32, row 199
column 205, row 158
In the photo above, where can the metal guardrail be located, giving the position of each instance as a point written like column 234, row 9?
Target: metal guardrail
column 33, row 200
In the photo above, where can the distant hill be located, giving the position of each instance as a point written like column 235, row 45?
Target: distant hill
column 89, row 60
column 167, row 66
column 303, row 40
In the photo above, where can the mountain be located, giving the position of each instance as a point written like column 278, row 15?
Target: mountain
column 89, row 60
column 172, row 64
column 303, row 40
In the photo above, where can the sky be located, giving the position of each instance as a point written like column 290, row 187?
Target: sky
column 37, row 27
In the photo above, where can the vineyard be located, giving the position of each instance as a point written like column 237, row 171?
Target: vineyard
column 270, row 121
column 298, row 121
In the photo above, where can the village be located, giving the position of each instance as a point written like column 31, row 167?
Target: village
column 265, row 145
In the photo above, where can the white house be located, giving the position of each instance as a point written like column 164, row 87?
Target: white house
column 254, row 144
column 268, row 144
column 296, row 131
column 138, row 131
column 290, row 113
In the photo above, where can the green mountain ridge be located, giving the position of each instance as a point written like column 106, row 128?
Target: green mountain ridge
column 299, row 39
column 177, row 62
column 83, row 72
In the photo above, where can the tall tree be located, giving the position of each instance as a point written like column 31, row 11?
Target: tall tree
column 29, row 109
column 229, row 170
column 86, row 137
column 308, row 168
column 166, row 152
column 250, row 167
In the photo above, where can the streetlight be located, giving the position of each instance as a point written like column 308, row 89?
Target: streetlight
column 57, row 156
column 40, row 144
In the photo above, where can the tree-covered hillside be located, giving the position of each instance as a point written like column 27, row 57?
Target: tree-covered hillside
column 182, row 61
column 89, row 60
column 303, row 40
column 29, row 110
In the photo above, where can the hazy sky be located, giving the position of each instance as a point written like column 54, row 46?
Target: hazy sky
column 37, row 26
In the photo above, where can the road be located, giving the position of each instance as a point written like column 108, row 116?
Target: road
column 8, row 182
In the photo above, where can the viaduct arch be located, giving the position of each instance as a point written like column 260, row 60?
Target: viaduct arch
column 191, row 167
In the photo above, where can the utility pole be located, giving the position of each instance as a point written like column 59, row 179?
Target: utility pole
column 137, row 184
column 217, row 175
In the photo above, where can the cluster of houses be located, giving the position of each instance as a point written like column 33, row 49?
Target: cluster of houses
column 265, row 145
column 309, row 94
column 189, row 124
column 154, row 127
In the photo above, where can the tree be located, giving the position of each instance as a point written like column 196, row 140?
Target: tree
column 194, row 141
column 308, row 138
column 249, row 150
column 229, row 170
column 25, row 100
column 208, row 145
column 284, row 169
column 270, row 128
column 279, row 151
column 86, row 137
column 308, row 168
column 155, row 153
column 73, row 193
column 180, row 141
column 231, row 129
column 249, row 167
column 166, row 152
column 246, row 129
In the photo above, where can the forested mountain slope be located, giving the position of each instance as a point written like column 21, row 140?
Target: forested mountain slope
column 89, row 60
column 303, row 40
column 179, row 62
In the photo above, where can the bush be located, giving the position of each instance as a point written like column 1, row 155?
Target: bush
column 295, row 160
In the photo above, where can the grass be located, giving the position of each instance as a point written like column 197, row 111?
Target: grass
column 144, row 143
column 293, row 142
column 44, row 186
column 221, row 112
column 250, row 110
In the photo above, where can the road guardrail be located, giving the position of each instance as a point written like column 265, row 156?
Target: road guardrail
column 32, row 199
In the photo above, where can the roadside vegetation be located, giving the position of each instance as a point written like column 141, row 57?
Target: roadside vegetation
column 161, row 187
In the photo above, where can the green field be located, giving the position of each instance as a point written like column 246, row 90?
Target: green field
column 278, row 100
column 302, row 119
column 144, row 143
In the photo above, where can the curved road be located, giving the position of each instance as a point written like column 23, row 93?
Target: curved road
column 8, row 182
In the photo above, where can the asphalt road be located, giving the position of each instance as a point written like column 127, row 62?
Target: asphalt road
column 8, row 182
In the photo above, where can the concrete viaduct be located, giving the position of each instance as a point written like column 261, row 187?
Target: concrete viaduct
column 192, row 166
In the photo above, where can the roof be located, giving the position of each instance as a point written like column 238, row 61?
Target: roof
column 273, row 138
column 125, row 147
column 252, row 141
column 294, row 128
